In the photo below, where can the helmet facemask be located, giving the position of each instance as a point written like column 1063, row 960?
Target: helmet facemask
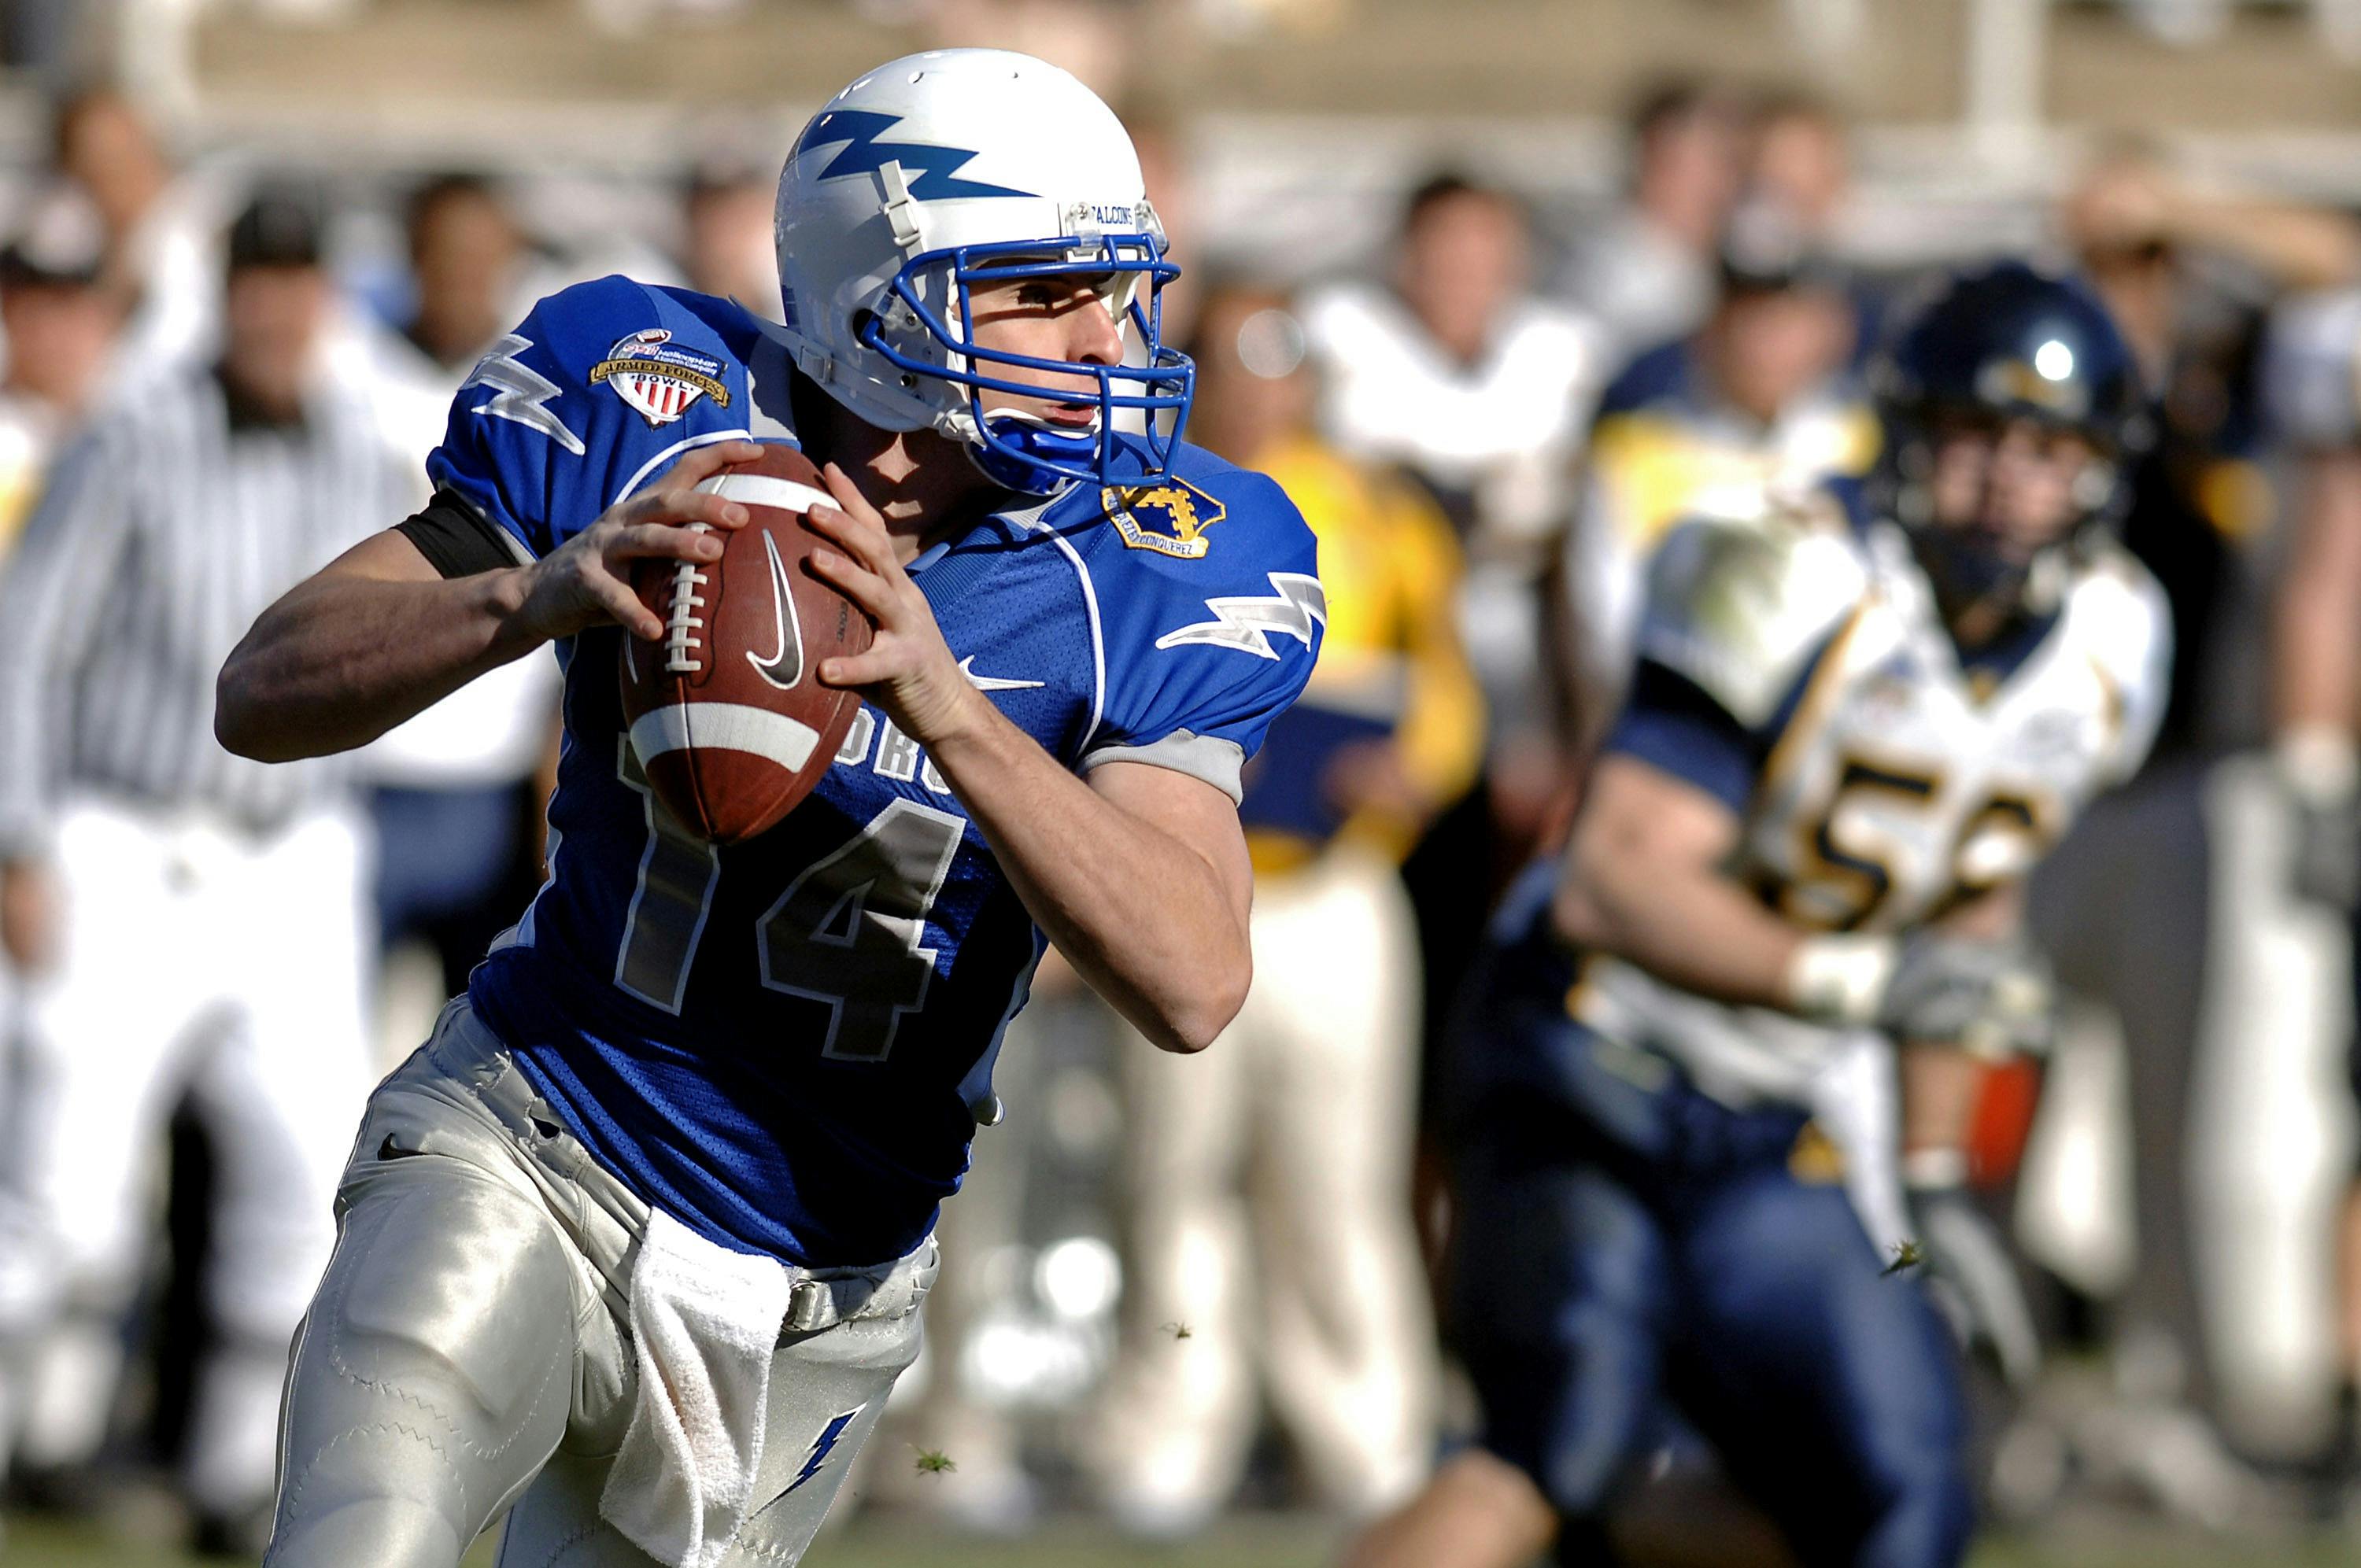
column 1962, row 559
column 922, row 327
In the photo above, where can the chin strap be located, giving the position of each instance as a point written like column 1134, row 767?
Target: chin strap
column 1015, row 452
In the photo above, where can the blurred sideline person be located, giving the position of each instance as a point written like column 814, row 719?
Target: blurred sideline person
column 1457, row 373
column 2197, row 954
column 1798, row 160
column 1272, row 1245
column 467, row 259
column 2316, row 685
column 457, row 791
column 1645, row 271
column 1799, row 176
column 162, row 253
column 1737, row 422
column 1797, row 870
column 189, row 922
column 60, row 322
column 727, row 247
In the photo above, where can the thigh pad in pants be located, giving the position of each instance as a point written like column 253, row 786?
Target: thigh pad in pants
column 436, row 1370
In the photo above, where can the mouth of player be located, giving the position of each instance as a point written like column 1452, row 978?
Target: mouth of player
column 1072, row 415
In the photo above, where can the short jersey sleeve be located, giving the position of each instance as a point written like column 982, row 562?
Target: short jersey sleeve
column 598, row 389
column 2129, row 631
column 1203, row 653
column 1738, row 610
column 1737, row 621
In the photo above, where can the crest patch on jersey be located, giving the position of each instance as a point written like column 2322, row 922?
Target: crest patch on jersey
column 659, row 379
column 1169, row 519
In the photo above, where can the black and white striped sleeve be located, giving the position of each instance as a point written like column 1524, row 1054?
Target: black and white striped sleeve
column 53, row 599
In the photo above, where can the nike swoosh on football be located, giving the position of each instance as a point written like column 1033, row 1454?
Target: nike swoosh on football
column 991, row 683
column 790, row 650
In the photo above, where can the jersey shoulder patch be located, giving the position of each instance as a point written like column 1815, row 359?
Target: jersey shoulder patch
column 1740, row 608
column 593, row 390
column 1207, row 590
column 1218, row 556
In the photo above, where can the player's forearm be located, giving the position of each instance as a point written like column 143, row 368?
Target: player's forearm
column 2299, row 246
column 1644, row 880
column 1688, row 925
column 342, row 659
column 2316, row 637
column 1940, row 1088
column 1142, row 916
column 2316, row 633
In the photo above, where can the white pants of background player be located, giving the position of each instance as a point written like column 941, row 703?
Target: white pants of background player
column 194, row 959
column 1271, row 1224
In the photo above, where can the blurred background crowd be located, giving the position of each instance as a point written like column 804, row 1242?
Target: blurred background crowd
column 1499, row 292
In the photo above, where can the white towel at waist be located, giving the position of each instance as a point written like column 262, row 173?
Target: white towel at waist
column 705, row 1322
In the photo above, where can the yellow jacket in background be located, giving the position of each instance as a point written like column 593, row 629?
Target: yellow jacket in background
column 1391, row 665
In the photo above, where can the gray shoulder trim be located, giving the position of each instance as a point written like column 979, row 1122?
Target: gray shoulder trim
column 1208, row 757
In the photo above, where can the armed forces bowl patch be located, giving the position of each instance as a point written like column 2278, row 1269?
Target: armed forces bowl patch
column 657, row 378
column 1169, row 519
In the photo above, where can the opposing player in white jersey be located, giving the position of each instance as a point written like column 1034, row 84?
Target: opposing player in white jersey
column 637, row 1242
column 1846, row 742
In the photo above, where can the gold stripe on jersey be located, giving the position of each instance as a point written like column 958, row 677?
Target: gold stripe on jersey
column 1812, row 711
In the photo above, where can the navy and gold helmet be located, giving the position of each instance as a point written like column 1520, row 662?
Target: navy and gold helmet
column 2013, row 341
column 2003, row 343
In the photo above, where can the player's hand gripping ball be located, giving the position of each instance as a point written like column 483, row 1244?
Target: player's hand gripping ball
column 727, row 715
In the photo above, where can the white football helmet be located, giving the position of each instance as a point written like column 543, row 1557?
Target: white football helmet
column 937, row 171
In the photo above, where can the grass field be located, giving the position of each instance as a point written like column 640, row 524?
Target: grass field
column 1248, row 1541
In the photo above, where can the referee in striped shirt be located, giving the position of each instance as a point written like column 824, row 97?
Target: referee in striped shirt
column 188, row 921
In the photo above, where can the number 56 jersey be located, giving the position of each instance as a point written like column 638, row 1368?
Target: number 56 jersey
column 787, row 1043
column 1881, row 775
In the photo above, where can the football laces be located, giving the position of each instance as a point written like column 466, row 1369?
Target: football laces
column 684, row 628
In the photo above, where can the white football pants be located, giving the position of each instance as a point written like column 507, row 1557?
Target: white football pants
column 1272, row 1220
column 193, row 959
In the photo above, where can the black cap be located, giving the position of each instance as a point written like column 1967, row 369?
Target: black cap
column 281, row 227
column 58, row 240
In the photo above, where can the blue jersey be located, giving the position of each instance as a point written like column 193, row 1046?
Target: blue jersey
column 786, row 1043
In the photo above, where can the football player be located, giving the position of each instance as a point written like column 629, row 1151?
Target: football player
column 637, row 1241
column 1848, row 740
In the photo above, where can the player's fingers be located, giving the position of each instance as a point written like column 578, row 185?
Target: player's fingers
column 663, row 542
column 849, row 496
column 702, row 463
column 865, row 588
column 688, row 506
column 854, row 669
column 867, row 543
column 612, row 595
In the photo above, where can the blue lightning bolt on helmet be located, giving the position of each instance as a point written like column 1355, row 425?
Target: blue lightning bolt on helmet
column 934, row 175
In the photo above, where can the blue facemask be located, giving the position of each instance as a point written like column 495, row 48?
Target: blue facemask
column 1024, row 454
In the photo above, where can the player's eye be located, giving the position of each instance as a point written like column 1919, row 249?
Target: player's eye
column 1038, row 296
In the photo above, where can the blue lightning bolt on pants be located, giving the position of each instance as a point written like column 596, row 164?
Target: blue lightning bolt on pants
column 468, row 1353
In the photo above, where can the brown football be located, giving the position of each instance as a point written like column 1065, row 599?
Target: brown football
column 728, row 717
